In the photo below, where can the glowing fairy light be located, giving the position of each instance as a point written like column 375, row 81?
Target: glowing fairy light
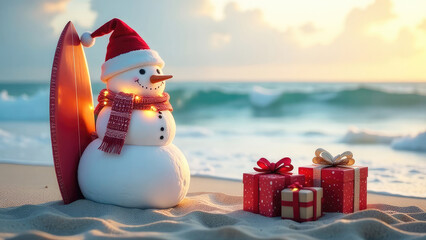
column 137, row 98
column 294, row 189
column 105, row 102
column 150, row 114
column 153, row 108
column 105, row 93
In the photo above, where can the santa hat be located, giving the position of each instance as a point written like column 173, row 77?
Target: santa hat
column 126, row 49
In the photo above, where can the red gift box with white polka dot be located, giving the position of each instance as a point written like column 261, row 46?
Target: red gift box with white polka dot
column 262, row 192
column 251, row 192
column 338, row 184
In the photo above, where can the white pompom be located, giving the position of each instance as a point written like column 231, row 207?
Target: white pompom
column 87, row 40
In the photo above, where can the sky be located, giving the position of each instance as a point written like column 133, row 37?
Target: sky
column 231, row 40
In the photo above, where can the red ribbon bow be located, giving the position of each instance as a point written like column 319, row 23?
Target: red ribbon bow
column 283, row 166
column 296, row 185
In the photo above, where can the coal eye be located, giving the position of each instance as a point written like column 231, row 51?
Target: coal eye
column 158, row 71
column 142, row 71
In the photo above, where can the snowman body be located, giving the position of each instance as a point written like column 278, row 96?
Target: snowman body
column 140, row 177
column 150, row 172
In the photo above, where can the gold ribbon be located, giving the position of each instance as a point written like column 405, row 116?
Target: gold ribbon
column 323, row 157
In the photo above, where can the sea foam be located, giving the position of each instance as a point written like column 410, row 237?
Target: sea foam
column 411, row 143
column 398, row 142
column 360, row 136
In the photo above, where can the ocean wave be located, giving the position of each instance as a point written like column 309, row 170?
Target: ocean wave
column 20, row 148
column 415, row 143
column 262, row 97
column 272, row 98
column 411, row 143
column 190, row 100
column 193, row 132
column 35, row 107
column 371, row 97
column 23, row 108
column 359, row 136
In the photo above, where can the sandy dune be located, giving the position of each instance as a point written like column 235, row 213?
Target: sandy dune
column 211, row 211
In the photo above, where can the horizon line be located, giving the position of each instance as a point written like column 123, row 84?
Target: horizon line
column 39, row 81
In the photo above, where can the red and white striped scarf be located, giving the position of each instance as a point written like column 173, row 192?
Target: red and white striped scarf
column 122, row 106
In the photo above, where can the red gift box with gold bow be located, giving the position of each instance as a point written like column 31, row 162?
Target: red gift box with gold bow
column 262, row 189
column 344, row 185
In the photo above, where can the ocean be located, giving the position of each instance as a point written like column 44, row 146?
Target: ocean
column 224, row 128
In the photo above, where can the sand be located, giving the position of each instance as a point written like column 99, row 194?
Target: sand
column 30, row 207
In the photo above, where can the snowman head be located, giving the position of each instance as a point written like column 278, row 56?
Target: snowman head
column 145, row 80
column 130, row 65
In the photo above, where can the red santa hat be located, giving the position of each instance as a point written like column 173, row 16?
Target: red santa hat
column 126, row 49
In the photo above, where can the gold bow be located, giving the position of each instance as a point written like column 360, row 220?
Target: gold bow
column 323, row 157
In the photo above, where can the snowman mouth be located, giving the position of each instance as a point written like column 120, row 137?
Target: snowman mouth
column 149, row 88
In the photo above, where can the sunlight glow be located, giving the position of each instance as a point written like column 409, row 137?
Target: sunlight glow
column 149, row 113
column 53, row 7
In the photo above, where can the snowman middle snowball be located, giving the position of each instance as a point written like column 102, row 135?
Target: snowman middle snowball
column 149, row 172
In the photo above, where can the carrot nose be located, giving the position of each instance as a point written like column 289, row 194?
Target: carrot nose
column 159, row 78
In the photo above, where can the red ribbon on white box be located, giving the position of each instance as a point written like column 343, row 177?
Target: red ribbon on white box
column 296, row 187
column 324, row 159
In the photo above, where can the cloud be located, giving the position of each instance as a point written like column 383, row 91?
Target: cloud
column 194, row 43
column 184, row 37
column 77, row 11
column 219, row 40
column 422, row 25
column 355, row 44
column 55, row 7
column 28, row 40
column 309, row 28
column 187, row 38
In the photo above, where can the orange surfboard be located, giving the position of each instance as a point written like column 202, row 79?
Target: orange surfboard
column 71, row 111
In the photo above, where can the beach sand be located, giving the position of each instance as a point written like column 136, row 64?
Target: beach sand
column 31, row 207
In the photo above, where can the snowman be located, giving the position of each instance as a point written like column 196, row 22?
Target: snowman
column 133, row 162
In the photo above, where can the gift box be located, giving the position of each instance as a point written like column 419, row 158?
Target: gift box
column 301, row 204
column 344, row 185
column 262, row 189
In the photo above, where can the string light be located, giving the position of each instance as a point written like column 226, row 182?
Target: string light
column 105, row 102
column 294, row 189
column 153, row 108
column 137, row 98
column 106, row 93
